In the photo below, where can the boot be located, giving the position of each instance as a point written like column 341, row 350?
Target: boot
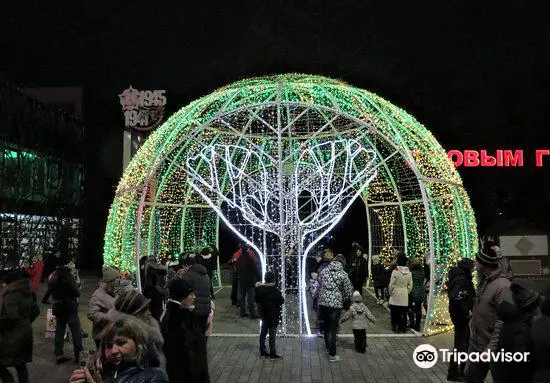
column 274, row 356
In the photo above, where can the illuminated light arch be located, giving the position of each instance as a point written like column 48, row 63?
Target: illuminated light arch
column 261, row 153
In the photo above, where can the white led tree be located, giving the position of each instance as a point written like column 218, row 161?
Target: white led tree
column 299, row 206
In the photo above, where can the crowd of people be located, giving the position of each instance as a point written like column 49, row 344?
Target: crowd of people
column 501, row 315
column 160, row 334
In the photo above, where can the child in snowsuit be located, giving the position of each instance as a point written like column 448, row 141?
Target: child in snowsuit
column 359, row 313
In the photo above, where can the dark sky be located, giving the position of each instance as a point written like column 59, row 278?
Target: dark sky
column 477, row 74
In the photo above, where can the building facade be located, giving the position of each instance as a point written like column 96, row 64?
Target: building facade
column 42, row 176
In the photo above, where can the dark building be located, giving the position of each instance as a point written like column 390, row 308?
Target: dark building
column 42, row 176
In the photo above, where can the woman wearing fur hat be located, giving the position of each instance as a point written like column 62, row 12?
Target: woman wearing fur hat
column 131, row 302
column 122, row 357
column 359, row 314
column 184, row 342
column 102, row 300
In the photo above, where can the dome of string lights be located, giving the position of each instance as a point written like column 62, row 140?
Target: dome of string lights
column 250, row 152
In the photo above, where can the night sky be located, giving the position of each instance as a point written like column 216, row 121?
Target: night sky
column 477, row 75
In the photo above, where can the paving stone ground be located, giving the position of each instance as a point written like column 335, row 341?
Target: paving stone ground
column 235, row 359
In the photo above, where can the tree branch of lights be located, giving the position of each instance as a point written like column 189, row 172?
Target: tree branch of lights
column 327, row 177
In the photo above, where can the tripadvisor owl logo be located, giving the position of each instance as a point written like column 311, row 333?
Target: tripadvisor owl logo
column 425, row 356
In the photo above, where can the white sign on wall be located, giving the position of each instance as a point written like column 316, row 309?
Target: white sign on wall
column 524, row 245
column 143, row 109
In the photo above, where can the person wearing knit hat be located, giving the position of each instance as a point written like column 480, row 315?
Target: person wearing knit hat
column 180, row 291
column 488, row 258
column 359, row 314
column 503, row 262
column 484, row 323
column 132, row 302
column 184, row 341
column 102, row 300
column 109, row 274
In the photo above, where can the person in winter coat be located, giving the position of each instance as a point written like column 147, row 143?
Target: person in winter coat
column 131, row 302
column 270, row 300
column 184, row 346
column 335, row 288
column 65, row 294
column 380, row 279
column 35, row 274
column 101, row 301
column 484, row 316
column 123, row 357
column 503, row 262
column 142, row 267
column 461, row 293
column 416, row 296
column 312, row 265
column 17, row 313
column 399, row 288
column 248, row 269
column 197, row 276
column 155, row 286
column 235, row 276
column 358, row 313
column 540, row 334
column 328, row 256
column 515, row 334
column 210, row 262
column 358, row 270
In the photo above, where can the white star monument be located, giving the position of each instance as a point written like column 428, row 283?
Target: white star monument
column 298, row 197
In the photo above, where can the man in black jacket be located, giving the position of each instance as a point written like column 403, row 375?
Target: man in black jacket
column 155, row 286
column 184, row 346
column 65, row 292
column 248, row 269
column 461, row 292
